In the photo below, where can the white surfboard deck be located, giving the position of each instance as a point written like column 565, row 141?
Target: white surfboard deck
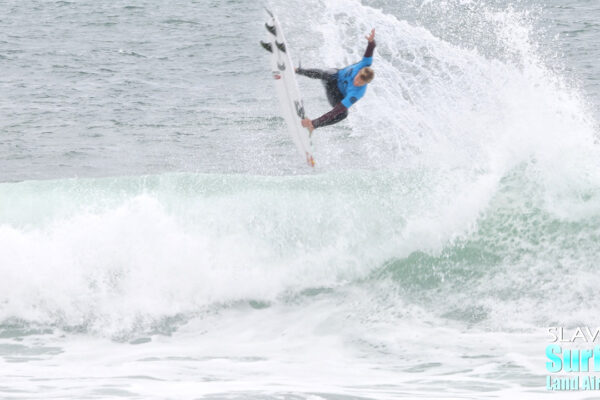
column 288, row 94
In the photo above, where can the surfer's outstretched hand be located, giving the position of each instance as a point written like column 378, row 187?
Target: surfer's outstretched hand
column 371, row 36
column 307, row 123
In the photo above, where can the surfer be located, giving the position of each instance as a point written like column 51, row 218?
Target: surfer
column 344, row 86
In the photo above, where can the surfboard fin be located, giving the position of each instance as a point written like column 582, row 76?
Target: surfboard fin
column 280, row 46
column 267, row 46
column 271, row 28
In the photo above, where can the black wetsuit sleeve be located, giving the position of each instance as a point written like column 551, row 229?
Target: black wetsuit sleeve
column 370, row 48
column 338, row 113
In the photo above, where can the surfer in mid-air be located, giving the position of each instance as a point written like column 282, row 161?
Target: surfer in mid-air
column 344, row 86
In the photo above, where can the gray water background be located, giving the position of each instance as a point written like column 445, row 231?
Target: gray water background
column 127, row 88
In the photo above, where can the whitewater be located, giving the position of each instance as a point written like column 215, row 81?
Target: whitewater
column 160, row 237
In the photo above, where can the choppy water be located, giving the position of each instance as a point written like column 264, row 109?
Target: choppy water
column 160, row 237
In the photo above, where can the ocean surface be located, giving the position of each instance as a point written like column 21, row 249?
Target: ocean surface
column 160, row 238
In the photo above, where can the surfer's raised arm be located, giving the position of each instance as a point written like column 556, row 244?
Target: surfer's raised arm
column 371, row 46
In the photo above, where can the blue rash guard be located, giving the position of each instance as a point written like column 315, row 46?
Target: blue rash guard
column 345, row 82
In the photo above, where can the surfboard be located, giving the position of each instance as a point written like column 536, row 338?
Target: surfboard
column 286, row 87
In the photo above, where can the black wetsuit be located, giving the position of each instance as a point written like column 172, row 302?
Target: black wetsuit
column 335, row 96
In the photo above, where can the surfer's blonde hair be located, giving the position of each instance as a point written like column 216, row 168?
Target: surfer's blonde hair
column 367, row 74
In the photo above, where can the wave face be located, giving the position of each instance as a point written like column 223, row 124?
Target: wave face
column 461, row 195
column 119, row 255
